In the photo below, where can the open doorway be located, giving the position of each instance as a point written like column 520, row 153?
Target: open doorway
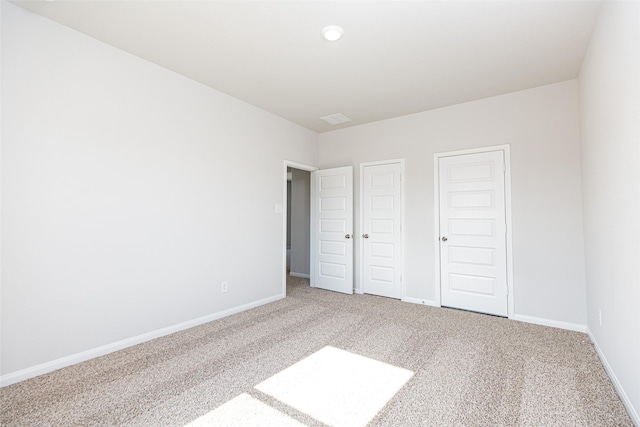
column 297, row 225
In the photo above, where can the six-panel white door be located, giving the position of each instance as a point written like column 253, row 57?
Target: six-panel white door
column 473, row 269
column 332, row 239
column 382, row 232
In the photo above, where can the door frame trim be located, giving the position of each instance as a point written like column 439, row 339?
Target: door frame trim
column 301, row 166
column 360, row 280
column 506, row 149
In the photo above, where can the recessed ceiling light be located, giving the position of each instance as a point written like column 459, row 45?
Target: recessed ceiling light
column 332, row 32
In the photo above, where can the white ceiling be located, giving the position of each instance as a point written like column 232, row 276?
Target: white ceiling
column 395, row 58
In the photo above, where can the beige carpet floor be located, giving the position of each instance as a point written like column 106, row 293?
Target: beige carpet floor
column 353, row 360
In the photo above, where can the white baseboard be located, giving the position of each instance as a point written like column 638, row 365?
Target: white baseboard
column 635, row 418
column 552, row 323
column 54, row 365
column 303, row 275
column 421, row 301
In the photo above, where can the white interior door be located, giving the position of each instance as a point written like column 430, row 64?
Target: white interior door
column 332, row 195
column 382, row 230
column 473, row 255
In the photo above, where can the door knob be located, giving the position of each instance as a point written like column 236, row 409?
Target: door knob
column 347, row 236
column 366, row 236
column 444, row 238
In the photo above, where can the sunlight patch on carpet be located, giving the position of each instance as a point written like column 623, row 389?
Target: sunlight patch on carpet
column 337, row 387
column 243, row 411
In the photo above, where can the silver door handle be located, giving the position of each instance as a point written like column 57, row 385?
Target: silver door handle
column 366, row 236
column 444, row 238
column 347, row 236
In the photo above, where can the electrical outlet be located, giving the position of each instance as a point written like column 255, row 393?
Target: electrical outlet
column 225, row 286
column 600, row 317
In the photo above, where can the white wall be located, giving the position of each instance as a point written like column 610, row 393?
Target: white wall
column 122, row 205
column 610, row 113
column 542, row 127
column 300, row 223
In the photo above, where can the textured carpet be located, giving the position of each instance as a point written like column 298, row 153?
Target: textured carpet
column 450, row 367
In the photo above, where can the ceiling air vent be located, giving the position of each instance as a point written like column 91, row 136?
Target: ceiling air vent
column 336, row 119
